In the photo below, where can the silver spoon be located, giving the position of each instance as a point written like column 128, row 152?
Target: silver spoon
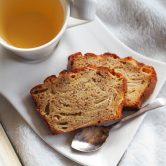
column 92, row 138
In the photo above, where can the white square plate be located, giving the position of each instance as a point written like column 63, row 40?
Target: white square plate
column 18, row 76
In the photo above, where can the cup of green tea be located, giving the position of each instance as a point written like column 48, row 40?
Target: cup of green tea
column 32, row 28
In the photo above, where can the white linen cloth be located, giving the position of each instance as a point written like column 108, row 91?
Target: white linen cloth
column 141, row 25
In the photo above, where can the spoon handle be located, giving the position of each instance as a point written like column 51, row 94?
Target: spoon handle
column 159, row 102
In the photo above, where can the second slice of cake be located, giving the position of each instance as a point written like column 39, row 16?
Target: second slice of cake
column 141, row 78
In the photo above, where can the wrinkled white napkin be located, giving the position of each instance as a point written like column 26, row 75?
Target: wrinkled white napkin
column 140, row 24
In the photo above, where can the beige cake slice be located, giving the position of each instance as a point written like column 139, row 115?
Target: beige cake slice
column 141, row 78
column 80, row 98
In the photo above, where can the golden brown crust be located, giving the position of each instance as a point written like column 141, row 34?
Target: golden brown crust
column 149, row 69
column 71, row 59
column 151, row 86
column 119, row 112
column 153, row 80
column 49, row 80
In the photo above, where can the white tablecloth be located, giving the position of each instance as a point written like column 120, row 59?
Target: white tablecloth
column 140, row 24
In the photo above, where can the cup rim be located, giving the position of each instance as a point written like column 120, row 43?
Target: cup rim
column 8, row 46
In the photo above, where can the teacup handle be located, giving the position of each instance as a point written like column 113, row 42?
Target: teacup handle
column 84, row 10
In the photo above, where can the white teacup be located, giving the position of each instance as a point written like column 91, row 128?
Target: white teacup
column 82, row 9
